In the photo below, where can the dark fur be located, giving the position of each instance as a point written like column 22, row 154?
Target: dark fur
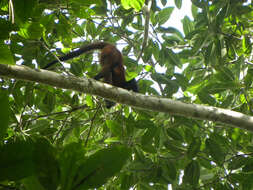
column 112, row 68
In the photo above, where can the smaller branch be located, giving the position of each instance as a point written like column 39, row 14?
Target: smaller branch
column 146, row 10
column 11, row 12
column 61, row 128
column 59, row 113
column 91, row 125
column 112, row 17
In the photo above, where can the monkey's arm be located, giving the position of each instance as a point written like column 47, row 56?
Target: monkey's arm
column 104, row 73
column 131, row 85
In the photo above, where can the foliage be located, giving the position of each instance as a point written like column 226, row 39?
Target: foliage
column 58, row 139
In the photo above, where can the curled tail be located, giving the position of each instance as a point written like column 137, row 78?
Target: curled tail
column 81, row 50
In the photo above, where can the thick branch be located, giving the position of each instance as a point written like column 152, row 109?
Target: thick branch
column 137, row 100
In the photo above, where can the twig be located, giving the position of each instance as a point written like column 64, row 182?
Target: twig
column 146, row 10
column 11, row 11
column 63, row 125
column 91, row 125
column 61, row 112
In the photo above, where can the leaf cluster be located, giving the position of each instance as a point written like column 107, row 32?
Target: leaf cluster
column 57, row 139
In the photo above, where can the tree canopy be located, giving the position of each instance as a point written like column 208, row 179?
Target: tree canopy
column 189, row 127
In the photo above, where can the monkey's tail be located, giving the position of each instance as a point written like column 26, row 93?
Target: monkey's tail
column 81, row 50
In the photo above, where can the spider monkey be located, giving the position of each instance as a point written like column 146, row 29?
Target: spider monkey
column 111, row 61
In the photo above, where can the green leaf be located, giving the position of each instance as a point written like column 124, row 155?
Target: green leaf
column 240, row 10
column 194, row 148
column 32, row 182
column 4, row 113
column 227, row 101
column 163, row 2
column 112, row 140
column 46, row 165
column 102, row 9
column 49, row 102
column 126, row 181
column 205, row 163
column 74, row 100
column 143, row 124
column 247, row 183
column 6, row 56
column 171, row 88
column 131, row 64
column 39, row 126
column 91, row 29
column 199, row 41
column 170, row 170
column 198, row 3
column 24, row 9
column 225, row 75
column 187, row 25
column 171, row 30
column 236, row 178
column 136, row 4
column 175, row 134
column 8, row 27
column 35, row 30
column 148, row 136
column 18, row 95
column 247, row 45
column 89, row 101
column 76, row 68
column 216, row 151
column 178, row 3
column 100, row 166
column 29, row 98
column 174, row 59
column 149, row 148
column 182, row 81
column 115, row 127
column 174, row 147
column 148, row 51
column 206, row 98
column 248, row 166
column 164, row 15
column 237, row 162
column 161, row 78
column 218, row 87
column 194, row 11
column 86, row 3
column 70, row 159
column 16, row 160
column 192, row 173
column 249, row 78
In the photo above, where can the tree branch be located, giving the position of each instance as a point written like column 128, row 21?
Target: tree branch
column 146, row 10
column 87, row 85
